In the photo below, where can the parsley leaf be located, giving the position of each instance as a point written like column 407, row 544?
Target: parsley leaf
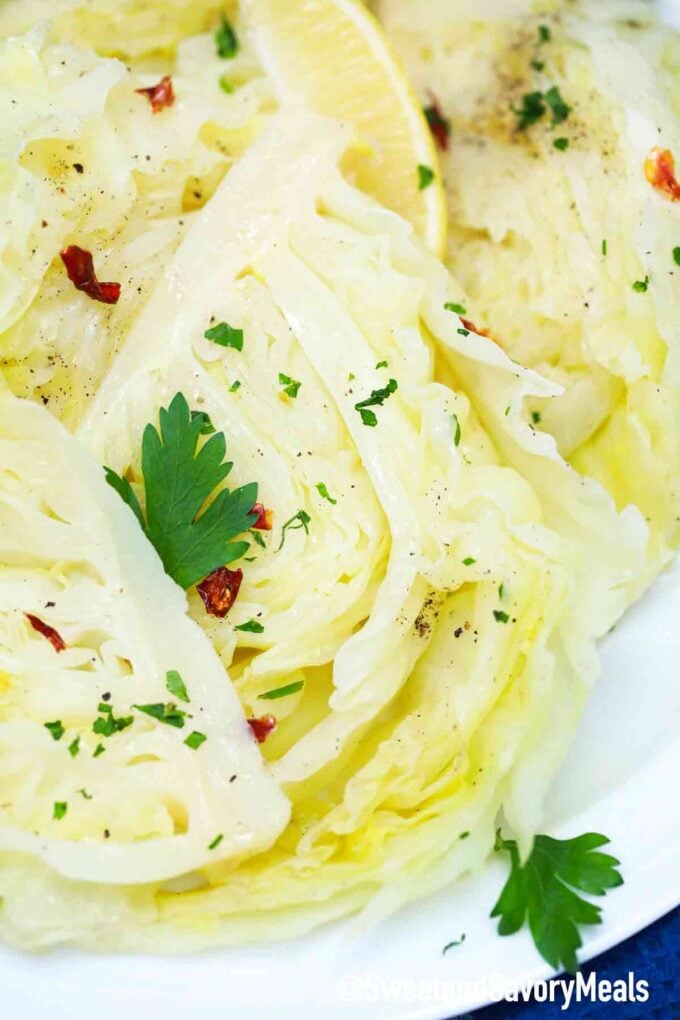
column 226, row 40
column 74, row 747
column 453, row 306
column 106, row 723
column 178, row 479
column 175, row 685
column 290, row 386
column 500, row 616
column 251, row 627
column 282, row 692
column 168, row 714
column 207, row 427
column 195, row 739
column 322, row 489
column 543, row 34
column 541, row 892
column 640, row 286
column 531, row 110
column 468, row 561
column 376, row 399
column 225, row 336
column 425, row 176
column 299, row 520
column 60, row 809
column 216, row 842
column 561, row 144
column 55, row 728
column 560, row 109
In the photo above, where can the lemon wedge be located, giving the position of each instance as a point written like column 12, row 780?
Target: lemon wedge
column 332, row 56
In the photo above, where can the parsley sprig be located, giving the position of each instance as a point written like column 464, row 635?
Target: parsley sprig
column 191, row 539
column 542, row 892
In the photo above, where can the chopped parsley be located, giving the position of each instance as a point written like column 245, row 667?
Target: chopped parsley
column 425, row 176
column 299, row 520
column 216, row 842
column 535, row 417
column 99, row 749
column 456, row 430
column 537, row 65
column 323, row 491
column 175, row 685
column 290, row 386
column 225, row 336
column 500, row 616
column 463, row 332
column 531, row 110
column 676, row 255
column 251, row 627
column 195, row 739
column 178, row 479
column 83, row 792
column 168, row 714
column 542, row 892
column 207, row 427
column 453, row 306
column 468, row 561
column 74, row 747
column 451, row 945
column 226, row 40
column 376, row 399
column 55, row 728
column 604, row 246
column 226, row 85
column 59, row 810
column 381, row 364
column 106, row 724
column 544, row 34
column 640, row 286
column 283, row 692
column 561, row 144
column 236, row 385
column 560, row 109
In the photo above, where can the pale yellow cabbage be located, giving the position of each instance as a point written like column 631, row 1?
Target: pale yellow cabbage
column 441, row 612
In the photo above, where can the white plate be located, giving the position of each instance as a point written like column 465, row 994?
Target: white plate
column 620, row 779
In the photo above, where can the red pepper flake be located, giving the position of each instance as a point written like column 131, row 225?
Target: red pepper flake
column 265, row 518
column 660, row 172
column 262, row 727
column 219, row 590
column 80, row 268
column 468, row 324
column 440, row 126
column 160, row 95
column 52, row 635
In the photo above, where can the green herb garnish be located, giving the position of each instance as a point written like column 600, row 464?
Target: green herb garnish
column 106, row 723
column 640, row 286
column 99, row 749
column 55, row 728
column 500, row 616
column 676, row 255
column 560, row 110
column 225, row 336
column 178, row 479
column 168, row 714
column 561, row 144
column 323, row 491
column 451, row 945
column 236, row 385
column 251, row 627
column 468, row 561
column 425, row 176
column 207, row 427
column 456, row 430
column 290, row 386
column 531, row 110
column 604, row 247
column 544, row 34
column 453, row 306
column 60, row 809
column 175, row 685
column 541, row 892
column 74, row 747
column 226, row 40
column 226, row 85
column 299, row 520
column 216, row 842
column 376, row 399
column 283, row 692
column 381, row 364
column 195, row 739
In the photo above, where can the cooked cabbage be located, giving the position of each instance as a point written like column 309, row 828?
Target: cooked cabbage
column 438, row 612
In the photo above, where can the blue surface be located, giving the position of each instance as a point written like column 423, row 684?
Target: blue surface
column 653, row 955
